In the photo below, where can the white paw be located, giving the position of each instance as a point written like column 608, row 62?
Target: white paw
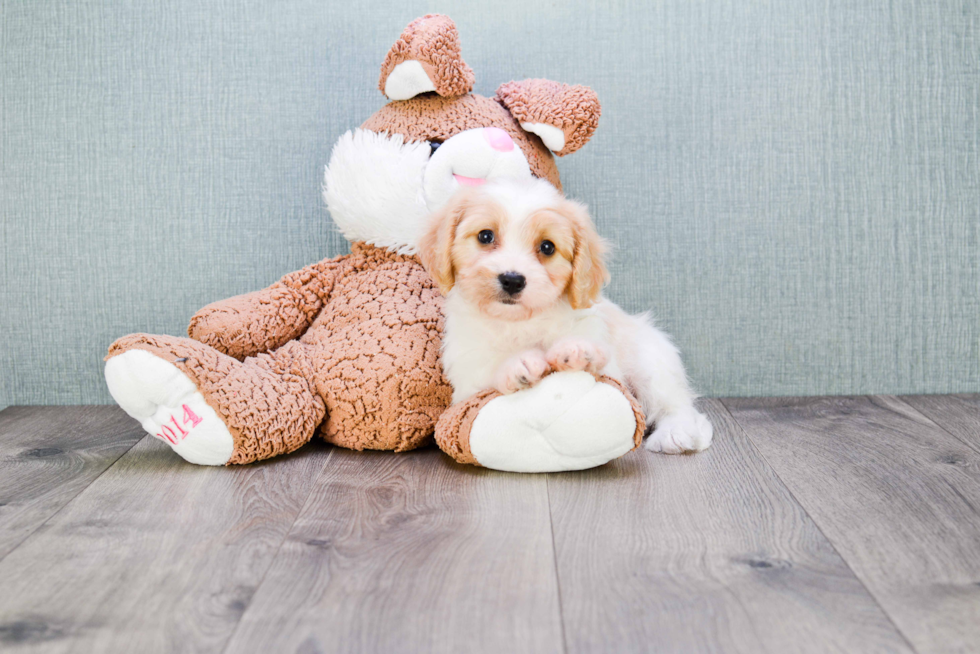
column 684, row 431
column 568, row 421
column 520, row 372
column 576, row 354
column 168, row 405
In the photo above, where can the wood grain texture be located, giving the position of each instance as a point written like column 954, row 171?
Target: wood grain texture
column 703, row 553
column 898, row 497
column 155, row 556
column 411, row 553
column 50, row 454
column 820, row 524
column 957, row 414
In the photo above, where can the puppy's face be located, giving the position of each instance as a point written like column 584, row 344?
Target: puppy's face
column 514, row 248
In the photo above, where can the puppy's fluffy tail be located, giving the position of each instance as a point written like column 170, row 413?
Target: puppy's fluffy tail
column 650, row 362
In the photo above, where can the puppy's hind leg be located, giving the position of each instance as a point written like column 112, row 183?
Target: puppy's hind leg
column 686, row 430
column 654, row 371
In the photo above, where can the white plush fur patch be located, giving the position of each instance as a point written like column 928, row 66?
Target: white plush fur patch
column 470, row 154
column 373, row 188
column 407, row 80
column 380, row 189
column 554, row 138
column 168, row 406
column 569, row 421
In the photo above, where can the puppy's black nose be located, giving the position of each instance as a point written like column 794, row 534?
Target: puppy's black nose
column 512, row 282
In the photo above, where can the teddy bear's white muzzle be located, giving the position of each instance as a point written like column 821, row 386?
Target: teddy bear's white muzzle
column 471, row 158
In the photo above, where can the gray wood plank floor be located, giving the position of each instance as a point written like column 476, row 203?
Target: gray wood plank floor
column 811, row 525
column 899, row 498
column 957, row 414
column 412, row 553
column 48, row 455
column 697, row 553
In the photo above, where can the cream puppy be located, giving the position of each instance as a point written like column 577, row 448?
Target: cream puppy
column 522, row 270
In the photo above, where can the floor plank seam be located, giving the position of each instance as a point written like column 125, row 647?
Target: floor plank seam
column 883, row 473
column 73, row 498
column 554, row 560
column 972, row 446
column 272, row 559
column 789, row 489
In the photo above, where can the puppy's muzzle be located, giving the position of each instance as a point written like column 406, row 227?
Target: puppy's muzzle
column 512, row 282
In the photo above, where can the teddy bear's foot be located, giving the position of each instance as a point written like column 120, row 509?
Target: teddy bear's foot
column 569, row 421
column 168, row 406
column 218, row 409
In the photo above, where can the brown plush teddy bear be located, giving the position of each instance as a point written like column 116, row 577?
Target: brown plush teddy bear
column 350, row 346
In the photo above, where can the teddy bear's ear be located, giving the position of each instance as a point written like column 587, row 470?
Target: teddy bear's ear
column 564, row 116
column 426, row 58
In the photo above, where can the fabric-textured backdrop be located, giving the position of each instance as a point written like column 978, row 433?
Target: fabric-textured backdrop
column 792, row 188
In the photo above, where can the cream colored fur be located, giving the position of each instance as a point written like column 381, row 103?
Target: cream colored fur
column 490, row 348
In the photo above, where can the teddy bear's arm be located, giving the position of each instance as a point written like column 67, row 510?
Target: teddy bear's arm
column 246, row 325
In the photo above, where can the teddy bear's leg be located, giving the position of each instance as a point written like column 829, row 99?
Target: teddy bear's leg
column 568, row 421
column 209, row 407
column 382, row 384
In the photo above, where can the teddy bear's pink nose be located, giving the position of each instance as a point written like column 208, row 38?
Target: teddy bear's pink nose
column 498, row 139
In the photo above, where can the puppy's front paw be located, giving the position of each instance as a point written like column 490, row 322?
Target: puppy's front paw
column 520, row 372
column 684, row 431
column 576, row 354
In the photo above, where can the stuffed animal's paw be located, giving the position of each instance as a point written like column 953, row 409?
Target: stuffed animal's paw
column 684, row 431
column 568, row 421
column 572, row 354
column 520, row 372
column 168, row 406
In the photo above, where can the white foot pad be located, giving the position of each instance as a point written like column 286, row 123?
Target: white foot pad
column 685, row 431
column 168, row 405
column 568, row 421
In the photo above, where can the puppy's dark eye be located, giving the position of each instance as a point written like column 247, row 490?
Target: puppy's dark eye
column 485, row 237
column 547, row 248
column 433, row 146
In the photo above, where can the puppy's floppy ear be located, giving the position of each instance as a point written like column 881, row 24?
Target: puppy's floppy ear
column 589, row 272
column 436, row 245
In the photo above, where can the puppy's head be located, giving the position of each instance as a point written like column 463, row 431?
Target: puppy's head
column 514, row 248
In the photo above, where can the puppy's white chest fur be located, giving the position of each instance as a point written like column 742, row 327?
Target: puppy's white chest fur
column 475, row 345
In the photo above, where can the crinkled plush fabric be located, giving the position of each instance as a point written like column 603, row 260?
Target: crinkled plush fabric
column 641, row 422
column 573, row 109
column 366, row 360
column 377, row 345
column 454, row 426
column 266, row 402
column 244, row 325
column 350, row 346
column 434, row 42
column 432, row 117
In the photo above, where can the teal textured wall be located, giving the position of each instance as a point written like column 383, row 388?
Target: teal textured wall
column 793, row 188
